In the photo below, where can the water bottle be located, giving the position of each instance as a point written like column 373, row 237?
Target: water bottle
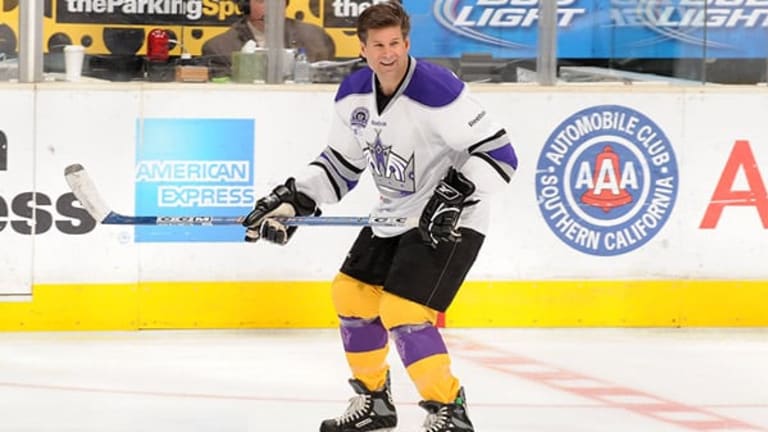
column 302, row 70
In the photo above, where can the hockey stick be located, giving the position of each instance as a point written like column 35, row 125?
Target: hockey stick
column 85, row 191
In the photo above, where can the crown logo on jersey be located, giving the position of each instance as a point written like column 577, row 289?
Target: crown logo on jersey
column 391, row 171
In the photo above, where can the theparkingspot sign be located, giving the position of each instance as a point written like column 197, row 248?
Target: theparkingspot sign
column 189, row 12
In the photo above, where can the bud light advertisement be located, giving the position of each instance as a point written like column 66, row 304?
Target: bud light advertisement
column 593, row 28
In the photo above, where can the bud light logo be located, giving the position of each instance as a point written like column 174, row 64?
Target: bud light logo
column 482, row 20
column 591, row 28
column 607, row 180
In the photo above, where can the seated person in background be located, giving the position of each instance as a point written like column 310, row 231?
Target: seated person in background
column 219, row 49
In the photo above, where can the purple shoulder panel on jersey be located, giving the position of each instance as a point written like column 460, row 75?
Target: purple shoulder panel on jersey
column 358, row 82
column 433, row 85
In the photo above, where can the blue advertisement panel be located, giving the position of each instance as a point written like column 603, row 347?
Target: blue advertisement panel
column 194, row 167
column 593, row 28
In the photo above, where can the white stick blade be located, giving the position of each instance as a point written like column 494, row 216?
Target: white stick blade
column 85, row 191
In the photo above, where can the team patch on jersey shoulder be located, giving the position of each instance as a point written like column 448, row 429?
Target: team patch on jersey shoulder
column 359, row 117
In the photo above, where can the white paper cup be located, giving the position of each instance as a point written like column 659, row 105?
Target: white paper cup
column 73, row 61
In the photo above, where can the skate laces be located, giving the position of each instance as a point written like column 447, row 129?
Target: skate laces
column 437, row 420
column 358, row 405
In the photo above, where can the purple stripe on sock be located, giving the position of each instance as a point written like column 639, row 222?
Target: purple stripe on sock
column 362, row 335
column 417, row 342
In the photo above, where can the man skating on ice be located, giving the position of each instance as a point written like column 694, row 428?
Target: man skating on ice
column 433, row 152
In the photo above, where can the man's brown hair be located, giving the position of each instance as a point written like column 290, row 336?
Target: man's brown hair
column 382, row 15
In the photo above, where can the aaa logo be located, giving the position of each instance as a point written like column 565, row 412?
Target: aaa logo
column 607, row 180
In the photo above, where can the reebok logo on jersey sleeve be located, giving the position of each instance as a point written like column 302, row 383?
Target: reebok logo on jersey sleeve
column 477, row 118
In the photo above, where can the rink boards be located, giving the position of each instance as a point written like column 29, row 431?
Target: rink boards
column 632, row 206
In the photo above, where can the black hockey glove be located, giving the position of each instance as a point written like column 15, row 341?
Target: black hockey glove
column 440, row 218
column 284, row 201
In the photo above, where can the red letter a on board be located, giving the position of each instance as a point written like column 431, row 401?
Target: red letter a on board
column 741, row 157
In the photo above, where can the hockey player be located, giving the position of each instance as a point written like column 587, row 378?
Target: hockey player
column 433, row 152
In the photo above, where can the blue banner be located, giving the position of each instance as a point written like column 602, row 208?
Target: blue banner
column 593, row 28
column 194, row 167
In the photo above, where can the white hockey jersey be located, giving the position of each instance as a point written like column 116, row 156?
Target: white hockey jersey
column 431, row 123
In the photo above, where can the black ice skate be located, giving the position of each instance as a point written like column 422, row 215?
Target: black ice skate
column 369, row 411
column 450, row 417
